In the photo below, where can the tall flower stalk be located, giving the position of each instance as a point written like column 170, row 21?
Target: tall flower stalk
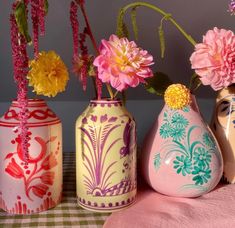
column 19, row 39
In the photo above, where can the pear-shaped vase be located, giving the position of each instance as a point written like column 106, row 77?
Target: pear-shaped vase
column 181, row 156
column 223, row 123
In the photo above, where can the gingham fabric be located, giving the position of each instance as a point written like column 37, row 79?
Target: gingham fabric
column 66, row 214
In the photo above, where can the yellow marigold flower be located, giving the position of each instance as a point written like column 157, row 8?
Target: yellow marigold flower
column 177, row 96
column 48, row 74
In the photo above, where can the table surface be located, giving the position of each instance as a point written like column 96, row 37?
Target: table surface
column 66, row 214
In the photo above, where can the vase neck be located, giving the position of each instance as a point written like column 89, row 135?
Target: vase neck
column 31, row 103
column 105, row 103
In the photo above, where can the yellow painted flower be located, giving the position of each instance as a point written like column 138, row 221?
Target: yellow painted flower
column 177, row 96
column 48, row 74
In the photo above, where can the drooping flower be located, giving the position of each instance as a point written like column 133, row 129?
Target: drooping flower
column 122, row 64
column 48, row 74
column 214, row 59
column 177, row 96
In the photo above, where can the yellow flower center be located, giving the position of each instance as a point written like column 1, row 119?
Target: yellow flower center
column 177, row 96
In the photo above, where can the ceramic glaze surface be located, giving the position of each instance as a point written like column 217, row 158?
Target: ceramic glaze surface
column 180, row 155
column 36, row 184
column 223, row 126
column 105, row 157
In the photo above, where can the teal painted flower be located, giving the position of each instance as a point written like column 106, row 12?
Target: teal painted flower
column 179, row 121
column 202, row 157
column 208, row 140
column 183, row 165
column 165, row 130
column 157, row 161
column 186, row 109
column 201, row 175
column 178, row 133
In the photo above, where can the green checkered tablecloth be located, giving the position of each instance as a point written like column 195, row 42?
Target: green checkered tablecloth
column 66, row 214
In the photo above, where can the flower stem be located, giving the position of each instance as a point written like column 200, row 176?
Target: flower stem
column 167, row 15
column 89, row 31
column 112, row 96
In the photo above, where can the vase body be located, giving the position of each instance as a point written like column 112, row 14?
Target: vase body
column 180, row 155
column 223, row 123
column 105, row 157
column 34, row 185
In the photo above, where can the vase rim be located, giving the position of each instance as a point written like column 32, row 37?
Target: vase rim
column 106, row 101
column 31, row 102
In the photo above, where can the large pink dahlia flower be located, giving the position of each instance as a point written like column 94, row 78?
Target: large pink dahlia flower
column 214, row 58
column 122, row 64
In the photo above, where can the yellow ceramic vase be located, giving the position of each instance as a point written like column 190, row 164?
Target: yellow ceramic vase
column 105, row 157
column 223, row 126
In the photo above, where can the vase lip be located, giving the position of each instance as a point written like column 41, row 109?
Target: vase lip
column 105, row 100
column 31, row 102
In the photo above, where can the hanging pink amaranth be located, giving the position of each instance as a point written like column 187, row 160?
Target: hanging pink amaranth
column 75, row 28
column 20, row 65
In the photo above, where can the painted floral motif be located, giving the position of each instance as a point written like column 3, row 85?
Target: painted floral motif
column 157, row 161
column 96, row 132
column 183, row 165
column 201, row 157
column 201, row 175
column 35, row 172
column 193, row 156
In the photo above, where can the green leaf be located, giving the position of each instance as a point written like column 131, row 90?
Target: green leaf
column 21, row 20
column 124, row 98
column 46, row 6
column 158, row 83
column 195, row 82
column 162, row 40
column 134, row 22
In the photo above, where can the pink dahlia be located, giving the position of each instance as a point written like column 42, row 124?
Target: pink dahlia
column 122, row 64
column 214, row 58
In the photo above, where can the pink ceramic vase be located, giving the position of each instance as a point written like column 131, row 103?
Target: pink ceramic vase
column 180, row 156
column 35, row 185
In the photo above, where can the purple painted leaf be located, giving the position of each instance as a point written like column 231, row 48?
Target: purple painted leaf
column 126, row 138
column 84, row 120
column 93, row 118
column 112, row 119
column 103, row 118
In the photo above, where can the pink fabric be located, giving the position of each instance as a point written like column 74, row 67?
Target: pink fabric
column 215, row 209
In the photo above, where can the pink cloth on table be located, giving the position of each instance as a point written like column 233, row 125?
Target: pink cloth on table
column 215, row 209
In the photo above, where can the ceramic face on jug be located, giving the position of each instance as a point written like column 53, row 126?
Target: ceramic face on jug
column 180, row 156
column 223, row 123
column 105, row 157
column 32, row 185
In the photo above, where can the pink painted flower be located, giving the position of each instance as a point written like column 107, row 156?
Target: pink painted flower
column 214, row 59
column 122, row 64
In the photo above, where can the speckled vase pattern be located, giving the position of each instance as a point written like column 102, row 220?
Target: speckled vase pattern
column 180, row 156
column 223, row 126
column 34, row 184
column 105, row 157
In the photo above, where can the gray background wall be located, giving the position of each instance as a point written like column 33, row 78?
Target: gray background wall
column 195, row 16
